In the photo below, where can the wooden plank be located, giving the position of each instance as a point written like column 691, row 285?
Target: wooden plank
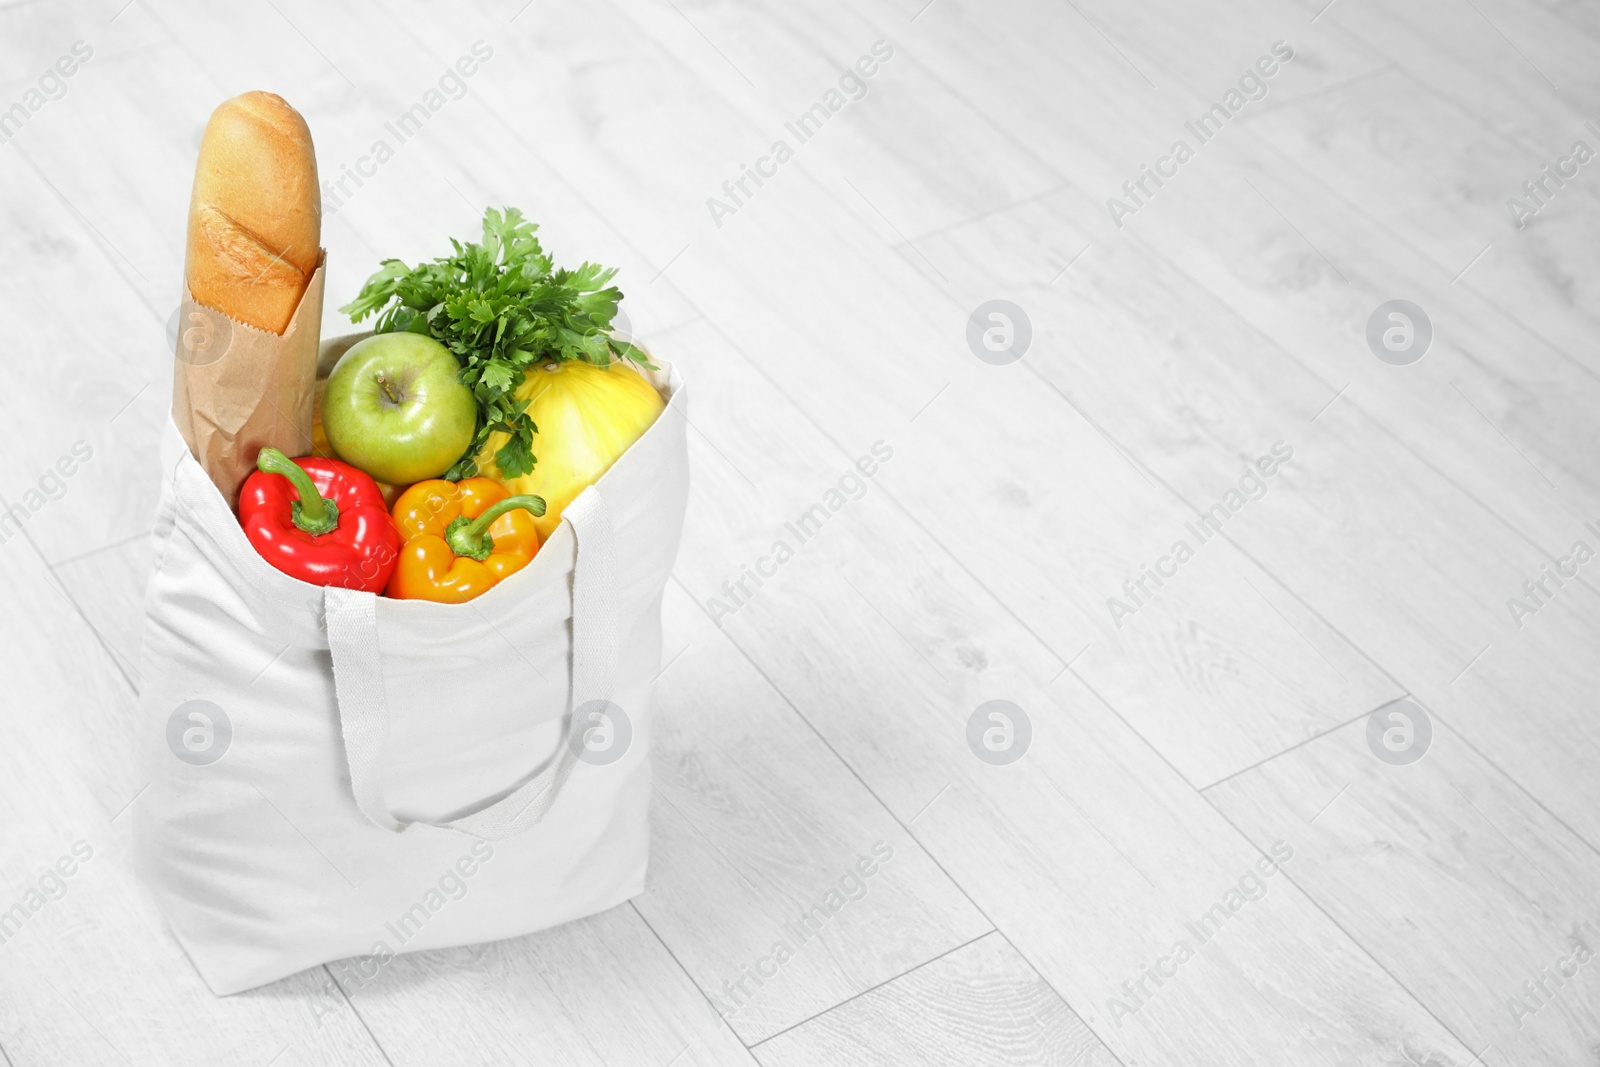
column 1491, row 407
column 71, row 140
column 1556, row 519
column 1049, row 87
column 72, row 482
column 801, row 60
column 979, row 1005
column 1326, row 305
column 81, row 409
column 1457, row 87
column 1515, row 66
column 777, row 878
column 1208, row 669
column 1360, row 530
column 1440, row 181
column 1232, row 384
column 1455, row 881
column 1091, row 853
column 107, row 588
column 1583, row 15
column 591, row 993
column 1292, row 285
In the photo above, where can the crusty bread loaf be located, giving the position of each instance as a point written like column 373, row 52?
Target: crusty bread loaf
column 255, row 217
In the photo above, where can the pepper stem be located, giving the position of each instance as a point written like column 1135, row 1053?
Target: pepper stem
column 470, row 537
column 311, row 512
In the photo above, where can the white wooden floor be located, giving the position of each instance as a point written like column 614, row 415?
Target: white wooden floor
column 1442, row 912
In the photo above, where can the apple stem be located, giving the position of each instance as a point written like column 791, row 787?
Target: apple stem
column 383, row 383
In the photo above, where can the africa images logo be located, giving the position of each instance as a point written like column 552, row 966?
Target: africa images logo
column 1399, row 332
column 1400, row 732
column 199, row 732
column 999, row 332
column 999, row 732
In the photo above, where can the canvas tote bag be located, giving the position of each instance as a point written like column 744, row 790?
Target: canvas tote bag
column 333, row 774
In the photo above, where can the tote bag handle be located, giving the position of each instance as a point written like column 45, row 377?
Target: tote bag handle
column 363, row 703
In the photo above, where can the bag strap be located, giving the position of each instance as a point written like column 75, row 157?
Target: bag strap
column 352, row 624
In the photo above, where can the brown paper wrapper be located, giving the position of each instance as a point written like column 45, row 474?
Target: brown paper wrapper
column 237, row 389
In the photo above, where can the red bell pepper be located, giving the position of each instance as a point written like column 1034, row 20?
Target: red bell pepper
column 319, row 520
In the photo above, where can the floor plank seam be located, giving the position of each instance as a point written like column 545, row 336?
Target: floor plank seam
column 1076, row 674
column 1232, row 312
column 926, row 849
column 1314, row 902
column 1325, row 90
column 1296, row 746
column 722, row 1020
column 1208, row 803
column 94, row 236
column 1261, row 142
column 103, row 548
column 1371, row 418
column 906, row 512
column 1441, row 716
column 1574, row 109
column 362, row 1019
column 1488, row 300
column 846, row 764
column 66, row 594
column 1084, row 1019
column 1388, row 675
column 869, row 989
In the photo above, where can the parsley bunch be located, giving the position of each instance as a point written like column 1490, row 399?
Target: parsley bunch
column 500, row 308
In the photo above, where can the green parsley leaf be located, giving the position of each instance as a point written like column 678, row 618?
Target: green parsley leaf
column 500, row 306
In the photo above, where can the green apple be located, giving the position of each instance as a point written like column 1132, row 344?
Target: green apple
column 395, row 408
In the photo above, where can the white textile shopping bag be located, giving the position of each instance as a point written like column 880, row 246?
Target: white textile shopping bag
column 334, row 774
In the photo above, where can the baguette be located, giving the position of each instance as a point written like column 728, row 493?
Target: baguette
column 255, row 216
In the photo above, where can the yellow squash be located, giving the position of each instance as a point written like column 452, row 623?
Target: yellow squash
column 587, row 417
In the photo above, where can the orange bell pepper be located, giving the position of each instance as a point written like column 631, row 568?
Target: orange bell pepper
column 461, row 538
